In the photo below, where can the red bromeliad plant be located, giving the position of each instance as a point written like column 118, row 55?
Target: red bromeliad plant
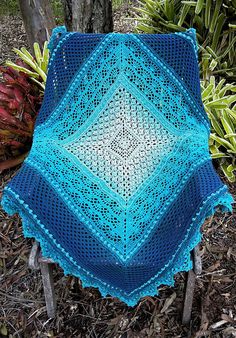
column 20, row 101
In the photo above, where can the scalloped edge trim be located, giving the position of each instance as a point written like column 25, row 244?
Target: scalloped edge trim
column 55, row 36
column 54, row 50
column 221, row 198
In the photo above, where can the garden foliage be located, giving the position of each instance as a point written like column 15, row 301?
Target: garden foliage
column 215, row 24
column 214, row 21
column 21, row 93
column 219, row 101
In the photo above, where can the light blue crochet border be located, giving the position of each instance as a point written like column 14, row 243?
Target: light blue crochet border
column 32, row 227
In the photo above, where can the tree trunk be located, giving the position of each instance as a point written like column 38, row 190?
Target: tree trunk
column 67, row 4
column 38, row 20
column 89, row 16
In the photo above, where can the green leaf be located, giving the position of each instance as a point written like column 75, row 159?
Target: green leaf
column 211, row 51
column 27, row 53
column 37, row 53
column 216, row 125
column 218, row 104
column 218, row 30
column 226, row 88
column 147, row 29
column 45, row 57
column 229, row 135
column 225, row 120
column 228, row 174
column 213, row 65
column 231, row 44
column 220, row 84
column 184, row 11
column 231, row 168
column 207, row 91
column 29, row 60
column 222, row 142
column 21, row 69
column 231, row 99
column 207, row 13
column 190, row 3
column 42, row 85
column 232, row 113
column 213, row 80
column 213, row 148
column 215, row 16
column 31, row 63
column 173, row 27
column 218, row 155
column 226, row 123
column 169, row 9
column 199, row 6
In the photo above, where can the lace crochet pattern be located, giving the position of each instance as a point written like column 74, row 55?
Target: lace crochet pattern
column 119, row 179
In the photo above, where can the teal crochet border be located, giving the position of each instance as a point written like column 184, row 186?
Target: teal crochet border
column 180, row 261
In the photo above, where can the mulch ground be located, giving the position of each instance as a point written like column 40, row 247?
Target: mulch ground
column 82, row 312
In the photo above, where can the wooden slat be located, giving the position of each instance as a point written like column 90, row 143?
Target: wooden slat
column 34, row 255
column 48, row 286
column 188, row 301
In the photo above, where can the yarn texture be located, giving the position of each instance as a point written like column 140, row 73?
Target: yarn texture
column 119, row 178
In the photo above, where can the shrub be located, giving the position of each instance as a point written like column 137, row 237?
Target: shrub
column 215, row 24
column 35, row 66
column 20, row 101
column 214, row 21
column 21, row 93
column 219, row 101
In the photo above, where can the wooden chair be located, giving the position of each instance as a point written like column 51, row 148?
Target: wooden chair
column 37, row 261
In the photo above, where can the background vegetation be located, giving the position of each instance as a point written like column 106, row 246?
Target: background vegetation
column 215, row 24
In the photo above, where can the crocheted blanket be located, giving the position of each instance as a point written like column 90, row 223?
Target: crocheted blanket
column 119, row 179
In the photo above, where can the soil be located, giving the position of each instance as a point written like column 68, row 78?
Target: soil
column 12, row 35
column 82, row 312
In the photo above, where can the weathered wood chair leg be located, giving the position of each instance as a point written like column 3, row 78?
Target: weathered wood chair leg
column 36, row 262
column 48, row 286
column 45, row 264
column 188, row 301
column 34, row 256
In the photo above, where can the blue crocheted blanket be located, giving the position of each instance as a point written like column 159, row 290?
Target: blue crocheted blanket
column 119, row 179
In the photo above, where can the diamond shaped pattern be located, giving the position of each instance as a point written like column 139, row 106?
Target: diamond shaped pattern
column 116, row 140
column 119, row 147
